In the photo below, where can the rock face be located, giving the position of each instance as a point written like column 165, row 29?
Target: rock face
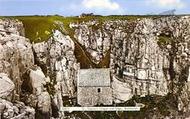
column 139, row 62
column 57, row 58
column 38, row 79
column 39, row 87
column 57, row 53
column 7, row 86
column 136, row 58
column 147, row 57
column 94, row 37
column 38, row 82
column 16, row 57
column 16, row 53
column 17, row 110
column 11, row 26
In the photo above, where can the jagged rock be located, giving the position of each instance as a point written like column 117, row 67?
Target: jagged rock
column 37, row 79
column 16, row 53
column 16, row 58
column 148, row 57
column 6, row 86
column 139, row 60
column 11, row 26
column 142, row 63
column 94, row 37
column 57, row 57
column 133, row 45
column 60, row 60
column 38, row 82
column 121, row 91
column 16, row 110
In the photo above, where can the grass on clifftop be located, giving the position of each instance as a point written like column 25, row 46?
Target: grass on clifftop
column 39, row 28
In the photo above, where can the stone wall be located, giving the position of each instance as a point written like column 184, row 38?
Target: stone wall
column 91, row 96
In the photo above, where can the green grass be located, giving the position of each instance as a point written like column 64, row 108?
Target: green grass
column 39, row 28
column 164, row 40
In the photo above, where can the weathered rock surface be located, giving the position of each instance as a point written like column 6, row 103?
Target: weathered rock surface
column 136, row 58
column 147, row 57
column 95, row 37
column 58, row 60
column 16, row 53
column 160, row 46
column 11, row 26
column 121, row 91
column 18, row 110
column 41, row 98
column 16, row 57
column 38, row 80
column 139, row 61
column 6, row 86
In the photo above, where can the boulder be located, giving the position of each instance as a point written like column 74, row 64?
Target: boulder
column 6, row 86
column 42, row 98
column 37, row 79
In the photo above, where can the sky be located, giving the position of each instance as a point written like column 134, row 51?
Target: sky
column 100, row 7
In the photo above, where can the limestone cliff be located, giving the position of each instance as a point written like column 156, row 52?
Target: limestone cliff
column 148, row 56
column 148, row 59
column 16, row 58
column 56, row 56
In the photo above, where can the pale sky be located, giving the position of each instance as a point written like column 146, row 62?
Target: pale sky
column 101, row 7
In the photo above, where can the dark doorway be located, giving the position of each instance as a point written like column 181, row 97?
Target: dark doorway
column 99, row 90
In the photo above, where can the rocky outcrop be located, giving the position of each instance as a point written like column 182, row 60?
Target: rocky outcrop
column 136, row 60
column 11, row 26
column 95, row 37
column 146, row 57
column 57, row 53
column 16, row 54
column 139, row 61
column 121, row 91
column 36, row 86
column 56, row 56
column 7, row 86
column 37, row 80
column 17, row 110
column 39, row 98
column 161, row 45
column 16, row 58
